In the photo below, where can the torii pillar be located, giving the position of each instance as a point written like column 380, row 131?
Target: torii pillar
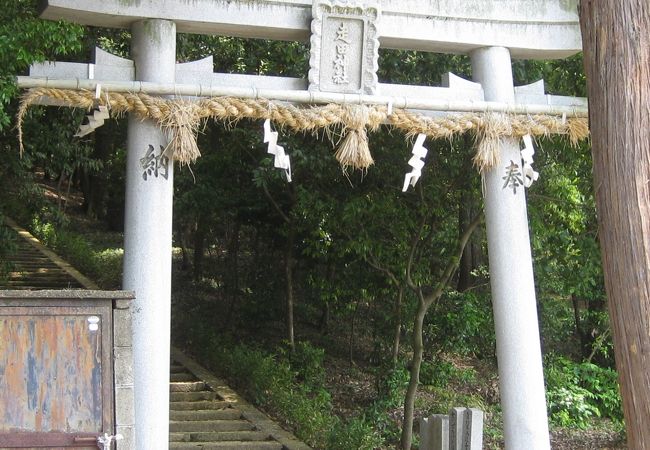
column 148, row 238
column 521, row 376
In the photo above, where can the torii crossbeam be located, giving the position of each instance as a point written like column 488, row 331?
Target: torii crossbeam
column 491, row 32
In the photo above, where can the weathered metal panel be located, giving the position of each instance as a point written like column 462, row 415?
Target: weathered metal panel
column 55, row 374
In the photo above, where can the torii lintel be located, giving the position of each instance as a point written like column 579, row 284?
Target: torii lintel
column 533, row 29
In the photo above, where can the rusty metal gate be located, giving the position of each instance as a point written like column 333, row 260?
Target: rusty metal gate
column 56, row 373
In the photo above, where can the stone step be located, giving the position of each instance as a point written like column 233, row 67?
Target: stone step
column 37, row 280
column 32, row 257
column 233, row 436
column 41, row 277
column 40, row 286
column 206, row 414
column 265, row 445
column 182, row 376
column 192, row 396
column 187, row 386
column 33, row 263
column 176, row 368
column 197, row 405
column 210, row 426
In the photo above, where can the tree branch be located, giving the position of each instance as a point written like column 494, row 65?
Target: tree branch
column 453, row 261
column 414, row 247
column 275, row 204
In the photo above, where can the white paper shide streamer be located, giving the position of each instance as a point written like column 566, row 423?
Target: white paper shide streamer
column 281, row 160
column 96, row 117
column 527, row 156
column 419, row 152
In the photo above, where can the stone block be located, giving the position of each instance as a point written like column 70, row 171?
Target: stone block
column 122, row 328
column 123, row 366
column 473, row 429
column 128, row 437
column 440, row 432
column 344, row 47
column 434, row 432
column 425, row 434
column 456, row 428
column 124, row 406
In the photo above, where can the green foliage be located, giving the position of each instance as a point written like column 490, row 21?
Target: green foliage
column 571, row 406
column 307, row 362
column 444, row 399
column 579, row 392
column 464, row 325
column 392, row 385
column 440, row 373
column 103, row 265
column 307, row 409
column 25, row 39
column 357, row 433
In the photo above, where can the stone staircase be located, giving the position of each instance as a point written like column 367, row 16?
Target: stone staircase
column 199, row 419
column 205, row 413
column 36, row 267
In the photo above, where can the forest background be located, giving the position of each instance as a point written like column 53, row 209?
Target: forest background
column 328, row 300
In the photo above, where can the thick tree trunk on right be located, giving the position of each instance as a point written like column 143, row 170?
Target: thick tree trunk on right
column 616, row 41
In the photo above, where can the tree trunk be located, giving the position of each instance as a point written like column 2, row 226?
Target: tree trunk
column 199, row 247
column 288, row 270
column 232, row 290
column 616, row 40
column 352, row 331
column 324, row 325
column 398, row 324
column 424, row 303
column 416, row 362
column 465, row 216
column 185, row 230
column 579, row 332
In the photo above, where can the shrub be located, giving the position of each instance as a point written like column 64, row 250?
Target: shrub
column 307, row 361
column 277, row 386
column 579, row 392
column 464, row 326
column 439, row 373
column 358, row 433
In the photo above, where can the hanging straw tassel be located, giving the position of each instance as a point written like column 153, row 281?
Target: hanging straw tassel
column 488, row 138
column 353, row 151
column 577, row 129
column 181, row 123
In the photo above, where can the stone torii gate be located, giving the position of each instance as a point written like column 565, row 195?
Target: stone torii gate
column 345, row 38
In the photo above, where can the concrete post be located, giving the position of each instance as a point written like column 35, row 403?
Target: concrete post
column 521, row 378
column 147, row 239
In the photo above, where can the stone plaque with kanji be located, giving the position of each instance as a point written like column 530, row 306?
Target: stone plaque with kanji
column 344, row 47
